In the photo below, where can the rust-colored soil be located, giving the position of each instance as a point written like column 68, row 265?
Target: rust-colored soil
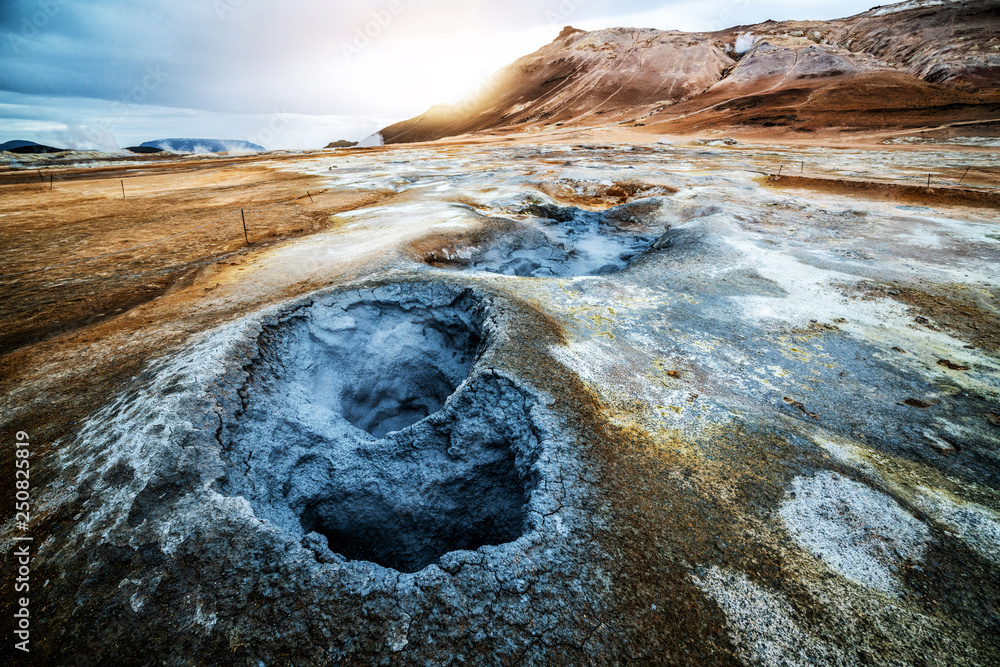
column 889, row 103
column 936, row 195
column 599, row 196
column 87, row 217
column 962, row 310
column 441, row 250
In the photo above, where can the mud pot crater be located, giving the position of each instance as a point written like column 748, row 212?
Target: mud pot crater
column 368, row 429
column 533, row 236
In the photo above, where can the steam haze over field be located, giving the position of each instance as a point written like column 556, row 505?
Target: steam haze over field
column 111, row 73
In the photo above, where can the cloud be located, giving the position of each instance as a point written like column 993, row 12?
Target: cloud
column 365, row 58
column 86, row 123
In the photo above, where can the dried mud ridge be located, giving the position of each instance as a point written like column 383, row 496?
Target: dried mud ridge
column 951, row 195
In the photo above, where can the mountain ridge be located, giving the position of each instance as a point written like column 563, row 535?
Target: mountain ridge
column 28, row 147
column 203, row 145
column 910, row 65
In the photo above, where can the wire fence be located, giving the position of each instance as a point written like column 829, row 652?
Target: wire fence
column 801, row 168
column 916, row 179
column 165, row 238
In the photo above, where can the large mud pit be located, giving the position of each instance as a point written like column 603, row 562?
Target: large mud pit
column 536, row 237
column 366, row 428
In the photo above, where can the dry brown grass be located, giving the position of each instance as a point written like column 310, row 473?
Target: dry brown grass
column 87, row 217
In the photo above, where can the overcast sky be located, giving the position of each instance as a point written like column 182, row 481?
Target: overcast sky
column 291, row 73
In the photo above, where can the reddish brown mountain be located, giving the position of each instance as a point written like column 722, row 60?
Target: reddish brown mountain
column 580, row 77
column 917, row 64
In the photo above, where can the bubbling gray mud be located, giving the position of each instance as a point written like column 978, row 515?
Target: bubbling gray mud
column 579, row 243
column 380, row 366
column 582, row 243
column 542, row 239
column 367, row 430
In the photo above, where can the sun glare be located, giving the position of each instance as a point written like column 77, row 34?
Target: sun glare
column 415, row 74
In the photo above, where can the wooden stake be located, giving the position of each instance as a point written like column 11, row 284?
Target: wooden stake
column 50, row 181
column 245, row 237
column 964, row 175
column 310, row 197
column 928, row 180
column 803, row 167
column 779, row 169
column 123, row 189
column 40, row 176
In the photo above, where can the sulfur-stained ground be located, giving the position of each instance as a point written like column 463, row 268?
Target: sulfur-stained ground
column 559, row 403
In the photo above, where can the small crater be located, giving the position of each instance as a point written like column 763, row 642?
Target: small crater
column 543, row 239
column 367, row 434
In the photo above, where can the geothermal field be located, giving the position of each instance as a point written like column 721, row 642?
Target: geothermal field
column 663, row 348
column 572, row 401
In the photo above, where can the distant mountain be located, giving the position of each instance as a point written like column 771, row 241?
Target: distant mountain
column 342, row 143
column 204, row 145
column 144, row 149
column 27, row 147
column 16, row 143
column 912, row 65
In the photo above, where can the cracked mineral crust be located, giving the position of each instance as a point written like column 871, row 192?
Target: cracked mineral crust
column 580, row 402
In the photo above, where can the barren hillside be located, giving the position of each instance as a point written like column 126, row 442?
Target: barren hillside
column 904, row 67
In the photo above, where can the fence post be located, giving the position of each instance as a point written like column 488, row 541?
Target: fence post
column 965, row 174
column 123, row 189
column 245, row 237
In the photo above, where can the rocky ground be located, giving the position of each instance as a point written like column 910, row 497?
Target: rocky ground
column 564, row 403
